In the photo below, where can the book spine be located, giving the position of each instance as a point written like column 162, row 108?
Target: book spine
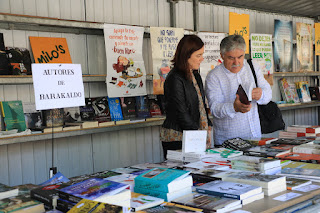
column 151, row 192
column 44, row 199
column 221, row 194
column 69, row 197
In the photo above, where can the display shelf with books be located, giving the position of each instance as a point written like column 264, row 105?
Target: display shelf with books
column 63, row 134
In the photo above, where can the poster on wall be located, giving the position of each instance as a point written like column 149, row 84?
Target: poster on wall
column 50, row 50
column 126, row 74
column 164, row 42
column 304, row 47
column 317, row 38
column 283, row 49
column 261, row 53
column 239, row 25
column 211, row 53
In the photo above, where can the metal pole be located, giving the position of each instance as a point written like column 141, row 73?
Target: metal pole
column 173, row 19
column 196, row 15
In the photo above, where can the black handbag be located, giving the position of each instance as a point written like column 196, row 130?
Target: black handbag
column 269, row 114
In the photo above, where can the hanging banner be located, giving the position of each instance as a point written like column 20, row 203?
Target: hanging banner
column 239, row 25
column 164, row 42
column 317, row 38
column 283, row 49
column 211, row 53
column 261, row 53
column 304, row 47
column 126, row 74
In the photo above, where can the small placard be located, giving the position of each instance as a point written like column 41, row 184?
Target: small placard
column 194, row 141
column 57, row 85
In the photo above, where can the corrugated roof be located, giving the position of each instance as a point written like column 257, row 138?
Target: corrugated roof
column 306, row 8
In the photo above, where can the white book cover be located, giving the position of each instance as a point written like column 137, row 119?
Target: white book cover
column 229, row 189
column 194, row 141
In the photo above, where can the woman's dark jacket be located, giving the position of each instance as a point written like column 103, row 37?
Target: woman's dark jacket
column 181, row 102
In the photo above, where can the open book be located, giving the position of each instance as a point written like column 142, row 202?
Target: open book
column 245, row 93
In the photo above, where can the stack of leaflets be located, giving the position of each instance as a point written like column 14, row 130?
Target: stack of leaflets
column 244, row 192
column 164, row 183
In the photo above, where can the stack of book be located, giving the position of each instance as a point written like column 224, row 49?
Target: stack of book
column 209, row 203
column 164, row 183
column 97, row 189
column 244, row 192
column 266, row 151
column 295, row 131
column 256, row 164
column 271, row 184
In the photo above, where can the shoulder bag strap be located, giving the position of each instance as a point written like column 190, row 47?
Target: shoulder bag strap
column 253, row 71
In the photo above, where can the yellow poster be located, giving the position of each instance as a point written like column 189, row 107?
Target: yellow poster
column 239, row 25
column 50, row 50
column 317, row 37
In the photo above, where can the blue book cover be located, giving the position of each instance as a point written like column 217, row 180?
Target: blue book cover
column 159, row 178
column 94, row 188
column 142, row 107
column 57, row 178
column 115, row 109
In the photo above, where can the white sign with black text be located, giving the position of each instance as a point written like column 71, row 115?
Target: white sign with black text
column 194, row 141
column 57, row 85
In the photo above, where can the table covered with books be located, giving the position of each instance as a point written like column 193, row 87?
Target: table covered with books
column 217, row 180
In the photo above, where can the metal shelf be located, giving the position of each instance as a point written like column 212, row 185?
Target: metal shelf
column 64, row 134
column 284, row 107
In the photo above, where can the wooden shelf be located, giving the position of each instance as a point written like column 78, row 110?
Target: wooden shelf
column 27, row 79
column 284, row 107
column 296, row 74
column 64, row 134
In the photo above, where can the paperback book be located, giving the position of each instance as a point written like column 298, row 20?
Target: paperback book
column 85, row 206
column 229, row 189
column 95, row 189
column 13, row 117
column 87, row 112
column 139, row 201
column 164, row 179
column 21, row 203
column 142, row 107
column 128, row 106
column 255, row 162
column 293, row 183
column 115, row 109
column 208, row 203
column 7, row 191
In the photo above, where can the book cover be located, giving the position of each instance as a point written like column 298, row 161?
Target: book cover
column 300, row 172
column 163, row 179
column 101, row 109
column 115, row 109
column 142, row 107
column 291, row 141
column 71, row 115
column 154, row 107
column 300, row 157
column 307, row 149
column 255, row 162
column 128, row 106
column 139, row 201
column 64, row 205
column 7, row 191
column 224, row 152
column 303, row 91
column 57, row 178
column 34, row 121
column 208, row 203
column 293, row 183
column 19, row 203
column 85, row 206
column 288, row 91
column 13, row 116
column 87, row 112
column 233, row 190
column 244, row 95
column 92, row 189
column 53, row 117
column 171, row 208
column 20, row 60
column 125, row 179
column 45, row 194
column 256, row 179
